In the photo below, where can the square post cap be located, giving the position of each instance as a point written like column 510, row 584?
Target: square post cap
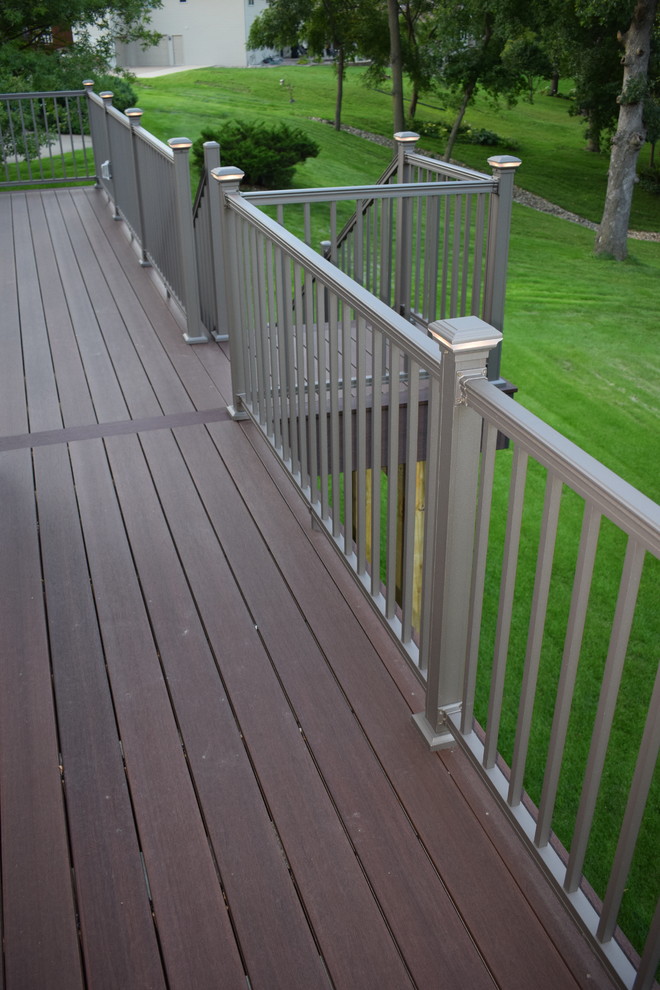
column 227, row 173
column 504, row 161
column 180, row 144
column 464, row 334
column 406, row 137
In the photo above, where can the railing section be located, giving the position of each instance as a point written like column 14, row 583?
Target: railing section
column 431, row 242
column 44, row 139
column 148, row 183
column 489, row 571
column 557, row 659
column 340, row 384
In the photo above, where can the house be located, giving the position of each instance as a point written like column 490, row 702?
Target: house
column 196, row 32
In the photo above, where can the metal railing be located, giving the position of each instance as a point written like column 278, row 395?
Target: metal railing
column 44, row 139
column 148, row 183
column 430, row 239
column 592, row 544
column 390, row 435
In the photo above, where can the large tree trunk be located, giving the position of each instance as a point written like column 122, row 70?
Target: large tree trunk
column 396, row 63
column 612, row 235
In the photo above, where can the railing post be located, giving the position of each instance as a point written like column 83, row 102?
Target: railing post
column 106, row 166
column 226, row 181
column 453, row 469
column 134, row 115
column 497, row 250
column 89, row 87
column 405, row 140
column 195, row 333
column 211, row 161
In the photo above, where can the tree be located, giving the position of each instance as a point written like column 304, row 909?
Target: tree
column 322, row 24
column 31, row 57
column 469, row 51
column 612, row 235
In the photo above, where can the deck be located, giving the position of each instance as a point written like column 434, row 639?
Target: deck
column 208, row 772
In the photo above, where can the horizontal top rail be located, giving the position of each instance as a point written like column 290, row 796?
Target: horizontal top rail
column 415, row 343
column 459, row 172
column 282, row 197
column 42, row 93
column 618, row 500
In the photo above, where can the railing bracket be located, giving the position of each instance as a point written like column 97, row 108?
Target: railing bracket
column 440, row 738
column 237, row 414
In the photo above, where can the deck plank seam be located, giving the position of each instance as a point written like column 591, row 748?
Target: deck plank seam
column 96, row 431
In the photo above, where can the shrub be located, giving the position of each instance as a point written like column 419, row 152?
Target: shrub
column 267, row 155
column 649, row 179
column 466, row 134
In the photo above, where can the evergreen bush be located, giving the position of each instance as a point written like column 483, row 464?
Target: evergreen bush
column 267, row 155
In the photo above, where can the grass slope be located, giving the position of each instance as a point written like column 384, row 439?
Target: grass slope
column 549, row 142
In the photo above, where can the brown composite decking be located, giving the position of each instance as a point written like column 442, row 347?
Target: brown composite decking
column 208, row 773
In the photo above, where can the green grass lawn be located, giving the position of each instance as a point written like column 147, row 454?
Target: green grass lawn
column 549, row 142
column 581, row 342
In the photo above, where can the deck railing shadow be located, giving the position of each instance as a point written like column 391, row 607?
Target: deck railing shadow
column 367, row 362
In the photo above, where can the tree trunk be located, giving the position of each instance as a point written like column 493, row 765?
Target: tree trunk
column 612, row 235
column 470, row 88
column 412, row 109
column 396, row 63
column 554, row 85
column 467, row 96
column 340, row 88
column 593, row 137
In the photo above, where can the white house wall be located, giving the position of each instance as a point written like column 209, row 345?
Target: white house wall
column 197, row 32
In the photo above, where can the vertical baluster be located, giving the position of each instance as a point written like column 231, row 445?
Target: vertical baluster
column 486, row 478
column 410, row 501
column 260, row 374
column 573, row 641
column 477, row 261
column 302, row 386
column 276, row 395
column 445, row 256
column 623, row 617
column 347, row 331
column 313, row 384
column 632, row 819
column 325, row 383
column 284, row 301
column 535, row 637
column 507, row 588
column 361, row 439
column 467, row 229
column 429, row 302
column 376, row 456
column 393, row 479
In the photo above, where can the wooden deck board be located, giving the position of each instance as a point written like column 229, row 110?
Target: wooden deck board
column 245, row 797
column 39, row 925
